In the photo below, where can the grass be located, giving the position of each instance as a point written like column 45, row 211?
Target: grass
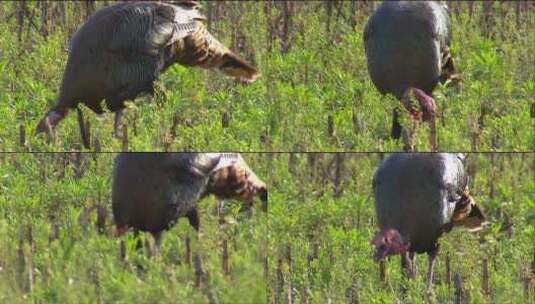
column 322, row 77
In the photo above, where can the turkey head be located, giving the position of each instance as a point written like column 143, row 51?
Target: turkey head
column 389, row 242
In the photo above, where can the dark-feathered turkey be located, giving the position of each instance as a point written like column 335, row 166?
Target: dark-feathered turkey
column 418, row 197
column 122, row 49
column 407, row 49
column 151, row 191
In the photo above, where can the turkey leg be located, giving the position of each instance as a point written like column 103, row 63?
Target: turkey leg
column 139, row 243
column 407, row 264
column 117, row 124
column 395, row 132
column 116, row 105
column 430, row 271
column 84, row 132
column 194, row 220
column 412, row 257
column 157, row 243
column 433, row 142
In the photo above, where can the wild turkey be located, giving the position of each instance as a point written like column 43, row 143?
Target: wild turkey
column 418, row 197
column 407, row 49
column 151, row 191
column 122, row 49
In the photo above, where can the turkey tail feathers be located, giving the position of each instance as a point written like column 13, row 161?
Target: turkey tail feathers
column 201, row 49
column 227, row 61
column 233, row 65
column 468, row 215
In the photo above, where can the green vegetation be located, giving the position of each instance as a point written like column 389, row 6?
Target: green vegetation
column 316, row 96
column 321, row 223
column 51, row 250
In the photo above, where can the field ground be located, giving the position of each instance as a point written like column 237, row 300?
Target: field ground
column 322, row 218
column 314, row 95
column 51, row 250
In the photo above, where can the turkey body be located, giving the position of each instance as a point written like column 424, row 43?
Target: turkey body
column 406, row 43
column 151, row 191
column 416, row 195
column 122, row 49
column 418, row 198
